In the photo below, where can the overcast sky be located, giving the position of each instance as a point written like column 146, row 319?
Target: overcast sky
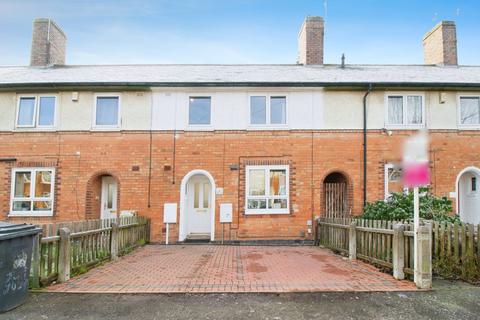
column 236, row 31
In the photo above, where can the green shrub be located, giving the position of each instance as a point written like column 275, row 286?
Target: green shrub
column 399, row 206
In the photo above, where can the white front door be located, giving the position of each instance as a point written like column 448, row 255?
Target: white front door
column 109, row 198
column 198, row 205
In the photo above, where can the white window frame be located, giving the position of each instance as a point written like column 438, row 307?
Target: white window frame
column 36, row 111
column 32, row 197
column 267, row 124
column 114, row 127
column 404, row 95
column 267, row 168
column 459, row 113
column 387, row 193
column 200, row 126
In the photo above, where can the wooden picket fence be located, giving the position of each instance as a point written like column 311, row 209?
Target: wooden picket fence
column 88, row 243
column 374, row 240
column 336, row 200
column 455, row 246
column 456, row 250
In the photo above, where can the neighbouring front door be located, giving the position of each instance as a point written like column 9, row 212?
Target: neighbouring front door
column 109, row 198
column 198, row 205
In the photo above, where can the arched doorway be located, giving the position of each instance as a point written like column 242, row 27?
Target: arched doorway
column 468, row 195
column 102, row 200
column 197, row 206
column 335, row 192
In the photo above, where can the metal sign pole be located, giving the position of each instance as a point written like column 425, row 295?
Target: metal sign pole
column 416, row 224
column 167, row 235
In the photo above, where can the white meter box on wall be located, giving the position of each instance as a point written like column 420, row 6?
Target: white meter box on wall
column 226, row 212
column 170, row 213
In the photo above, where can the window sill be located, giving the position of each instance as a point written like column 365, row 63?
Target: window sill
column 468, row 127
column 30, row 214
column 106, row 128
column 265, row 127
column 199, row 127
column 34, row 129
column 260, row 213
column 405, row 127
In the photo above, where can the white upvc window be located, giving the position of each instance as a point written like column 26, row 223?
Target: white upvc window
column 107, row 111
column 404, row 111
column 268, row 110
column 32, row 192
column 267, row 190
column 36, row 111
column 393, row 180
column 200, row 111
column 469, row 111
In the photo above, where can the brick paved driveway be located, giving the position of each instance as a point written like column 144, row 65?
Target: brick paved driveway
column 208, row 268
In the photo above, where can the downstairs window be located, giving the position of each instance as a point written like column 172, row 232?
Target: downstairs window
column 267, row 190
column 32, row 191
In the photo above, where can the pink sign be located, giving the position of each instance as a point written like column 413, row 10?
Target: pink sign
column 415, row 160
column 416, row 174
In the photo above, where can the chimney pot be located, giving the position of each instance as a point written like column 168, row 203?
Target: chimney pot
column 440, row 44
column 48, row 43
column 310, row 41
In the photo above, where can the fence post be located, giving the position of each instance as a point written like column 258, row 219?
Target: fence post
column 114, row 241
column 424, row 256
column 36, row 261
column 352, row 241
column 64, row 255
column 398, row 251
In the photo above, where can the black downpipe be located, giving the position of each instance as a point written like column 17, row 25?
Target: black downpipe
column 369, row 89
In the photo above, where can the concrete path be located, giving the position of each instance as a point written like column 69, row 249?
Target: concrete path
column 218, row 269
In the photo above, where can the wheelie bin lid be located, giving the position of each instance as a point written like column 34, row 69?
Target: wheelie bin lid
column 14, row 230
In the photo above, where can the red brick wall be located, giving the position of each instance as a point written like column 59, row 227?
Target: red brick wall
column 116, row 153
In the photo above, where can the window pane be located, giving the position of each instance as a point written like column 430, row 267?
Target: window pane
column 46, row 111
column 199, row 110
column 110, row 193
column 206, row 193
column 278, row 110
column 277, row 204
column 414, row 110
column 43, row 184
column 395, row 110
column 22, row 184
column 256, row 181
column 257, row 204
column 196, row 195
column 42, row 205
column 22, row 205
column 258, row 110
column 107, row 111
column 470, row 110
column 26, row 111
column 278, row 182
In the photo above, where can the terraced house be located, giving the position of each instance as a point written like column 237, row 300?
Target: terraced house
column 277, row 144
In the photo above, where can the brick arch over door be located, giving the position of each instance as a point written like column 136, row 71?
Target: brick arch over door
column 90, row 194
column 349, row 190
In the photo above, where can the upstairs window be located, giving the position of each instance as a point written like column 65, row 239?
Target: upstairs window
column 199, row 111
column 32, row 191
column 405, row 110
column 107, row 111
column 470, row 111
column 267, row 189
column 36, row 111
column 268, row 110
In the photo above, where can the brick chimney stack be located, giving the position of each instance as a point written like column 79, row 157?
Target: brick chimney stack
column 310, row 41
column 440, row 44
column 48, row 44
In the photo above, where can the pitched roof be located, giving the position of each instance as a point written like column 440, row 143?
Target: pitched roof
column 240, row 75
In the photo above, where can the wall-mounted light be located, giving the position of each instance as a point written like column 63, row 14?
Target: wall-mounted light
column 75, row 96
